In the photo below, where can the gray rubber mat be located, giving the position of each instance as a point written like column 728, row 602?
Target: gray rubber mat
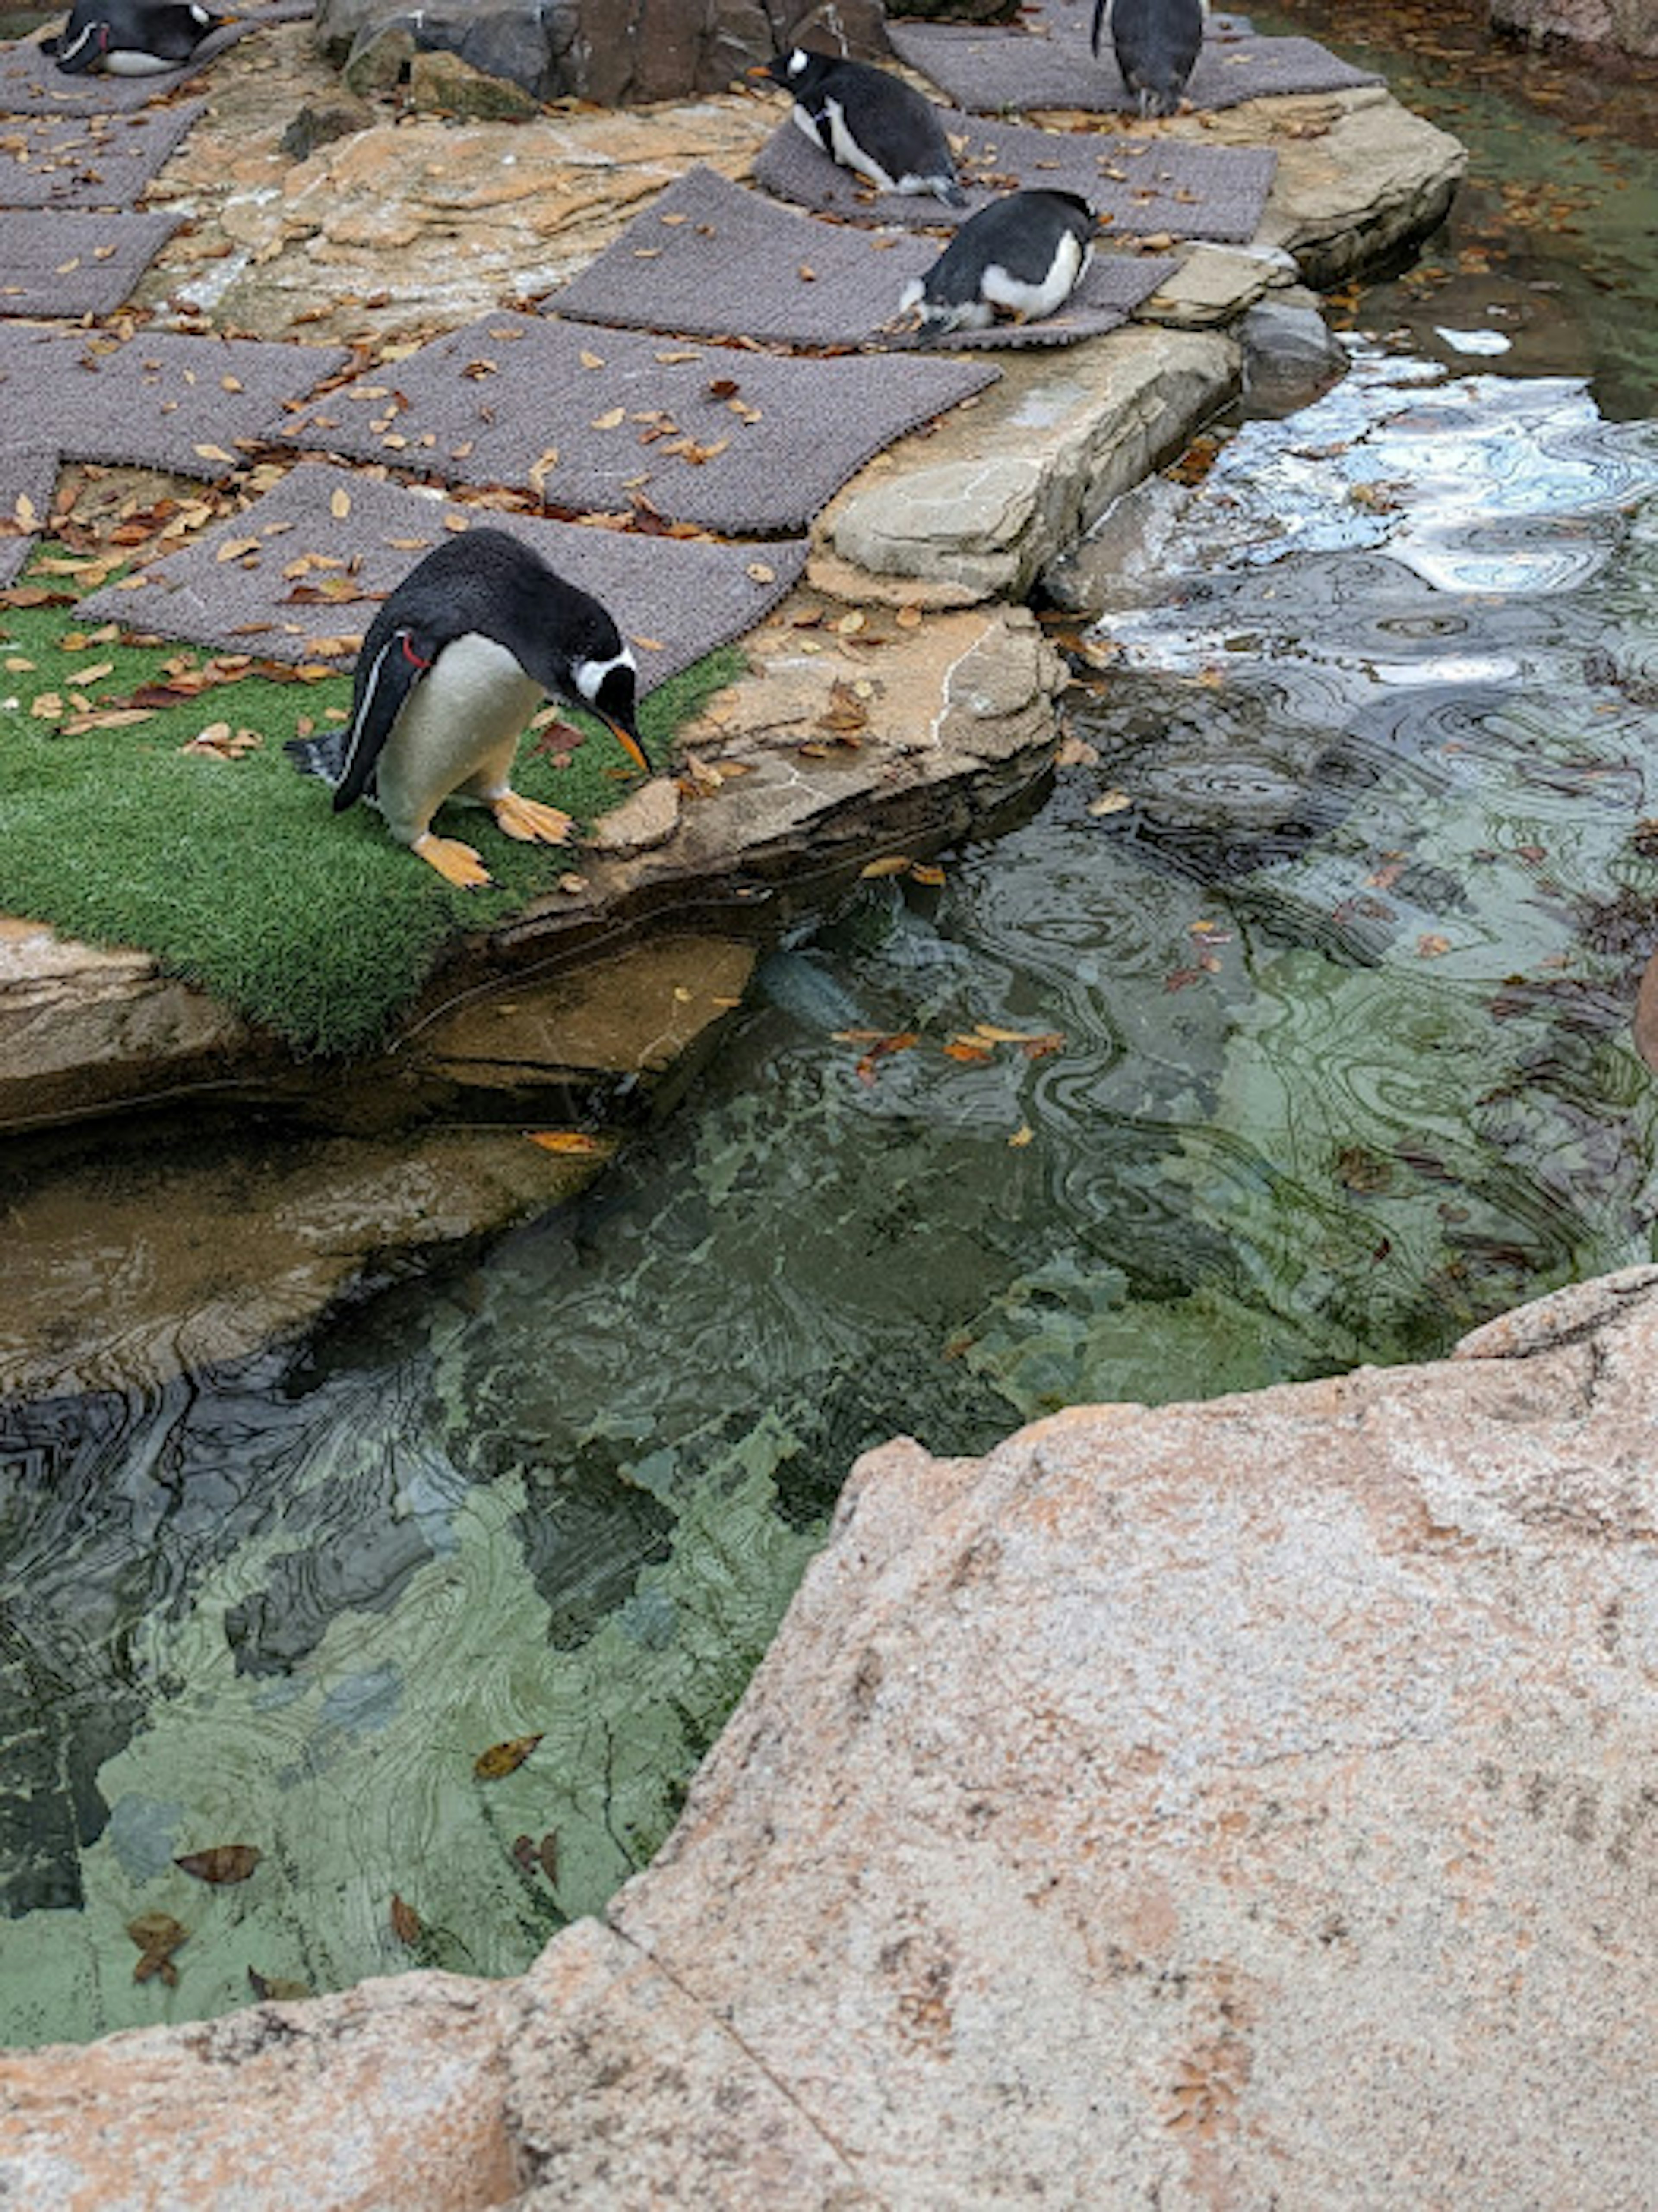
column 731, row 440
column 95, row 160
column 158, row 400
column 1047, row 62
column 709, row 260
column 68, row 265
column 29, row 475
column 30, row 83
column 326, row 546
column 1138, row 187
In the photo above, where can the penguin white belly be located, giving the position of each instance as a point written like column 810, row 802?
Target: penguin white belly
column 1033, row 301
column 127, row 61
column 851, row 155
column 458, row 731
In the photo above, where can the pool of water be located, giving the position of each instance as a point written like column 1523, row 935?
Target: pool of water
column 1292, row 1032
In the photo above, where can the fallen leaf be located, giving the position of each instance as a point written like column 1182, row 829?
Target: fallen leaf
column 406, row 1923
column 893, row 864
column 339, row 503
column 222, row 1863
column 880, row 1048
column 1022, row 1136
column 538, row 469
column 158, row 1936
column 611, row 419
column 760, row 573
column 503, row 1757
column 578, row 1145
column 1432, row 944
column 216, row 453
column 275, row 1988
column 925, row 872
column 592, row 360
column 970, row 1050
column 1109, row 802
column 908, row 617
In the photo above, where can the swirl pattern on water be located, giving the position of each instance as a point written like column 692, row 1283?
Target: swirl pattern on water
column 1287, row 1035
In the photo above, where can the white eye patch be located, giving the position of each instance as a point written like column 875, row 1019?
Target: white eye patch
column 590, row 674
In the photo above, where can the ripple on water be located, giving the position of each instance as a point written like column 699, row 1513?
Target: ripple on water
column 1290, row 1033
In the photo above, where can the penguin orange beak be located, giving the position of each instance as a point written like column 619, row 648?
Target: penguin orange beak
column 629, row 743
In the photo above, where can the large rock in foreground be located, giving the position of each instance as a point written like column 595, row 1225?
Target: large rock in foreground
column 1231, row 1804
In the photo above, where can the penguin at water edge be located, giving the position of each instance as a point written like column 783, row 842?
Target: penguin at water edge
column 1023, row 256
column 130, row 38
column 1157, row 43
column 455, row 663
column 869, row 122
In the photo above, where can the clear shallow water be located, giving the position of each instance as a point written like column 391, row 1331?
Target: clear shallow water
column 1292, row 1032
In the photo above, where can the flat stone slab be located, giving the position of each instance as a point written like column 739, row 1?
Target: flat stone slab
column 1235, row 1803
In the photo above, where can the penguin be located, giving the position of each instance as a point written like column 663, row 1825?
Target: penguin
column 130, row 38
column 1022, row 255
column 869, row 122
column 1158, row 44
column 453, row 665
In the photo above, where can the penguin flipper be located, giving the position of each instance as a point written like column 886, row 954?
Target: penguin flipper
column 74, row 58
column 395, row 669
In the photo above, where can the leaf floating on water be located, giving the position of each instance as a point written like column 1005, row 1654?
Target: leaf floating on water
column 524, row 1853
column 275, row 1988
column 880, row 1048
column 158, row 1936
column 970, row 1050
column 222, row 1863
column 1022, row 1136
column 547, row 1854
column 506, row 1758
column 926, row 871
column 406, row 1923
column 578, row 1145
column 1430, row 945
column 1109, row 802
column 894, row 864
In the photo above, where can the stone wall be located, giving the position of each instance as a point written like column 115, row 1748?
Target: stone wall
column 1622, row 26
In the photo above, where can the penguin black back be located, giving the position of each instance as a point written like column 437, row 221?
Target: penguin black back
column 1022, row 255
column 1157, row 43
column 869, row 121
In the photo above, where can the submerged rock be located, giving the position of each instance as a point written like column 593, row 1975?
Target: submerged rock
column 1291, row 354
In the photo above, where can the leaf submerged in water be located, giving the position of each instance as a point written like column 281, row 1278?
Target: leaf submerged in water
column 503, row 1757
column 223, row 1862
column 158, row 1936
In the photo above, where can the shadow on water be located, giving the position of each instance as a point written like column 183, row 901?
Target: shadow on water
column 1292, row 1033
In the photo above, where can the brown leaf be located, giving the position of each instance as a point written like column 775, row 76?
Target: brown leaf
column 1430, row 944
column 275, row 1988
column 506, row 1758
column 968, row 1049
column 158, row 1936
column 406, row 1923
column 548, row 1854
column 723, row 387
column 222, row 1863
column 880, row 1048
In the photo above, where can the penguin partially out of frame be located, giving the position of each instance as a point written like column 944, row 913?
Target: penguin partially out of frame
column 454, row 665
column 1158, row 44
column 1022, row 256
column 130, row 38
column 869, row 121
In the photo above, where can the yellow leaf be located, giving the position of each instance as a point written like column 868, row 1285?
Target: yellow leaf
column 761, row 573
column 924, row 872
column 894, row 864
column 1021, row 1136
column 1109, row 802
column 908, row 617
column 339, row 503
column 214, row 453
column 574, row 1142
column 610, row 419
column 592, row 359
column 503, row 1757
column 539, row 468
column 1430, row 947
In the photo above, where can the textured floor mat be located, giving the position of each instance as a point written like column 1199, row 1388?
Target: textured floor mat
column 734, row 440
column 712, row 260
column 69, row 266
column 996, row 71
column 30, row 83
column 27, row 476
column 1138, row 187
column 158, row 400
column 97, row 161
column 321, row 550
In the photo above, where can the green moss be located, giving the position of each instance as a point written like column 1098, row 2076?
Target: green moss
column 236, row 874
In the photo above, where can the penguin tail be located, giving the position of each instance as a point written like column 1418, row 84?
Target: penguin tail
column 950, row 193
column 322, row 756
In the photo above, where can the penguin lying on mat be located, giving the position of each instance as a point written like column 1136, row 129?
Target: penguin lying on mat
column 1022, row 256
column 869, row 122
column 130, row 38
column 454, row 665
column 1158, row 44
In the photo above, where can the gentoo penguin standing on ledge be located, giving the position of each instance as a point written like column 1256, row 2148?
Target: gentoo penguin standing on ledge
column 454, row 665
column 1022, row 256
column 869, row 122
column 130, row 38
column 1158, row 44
